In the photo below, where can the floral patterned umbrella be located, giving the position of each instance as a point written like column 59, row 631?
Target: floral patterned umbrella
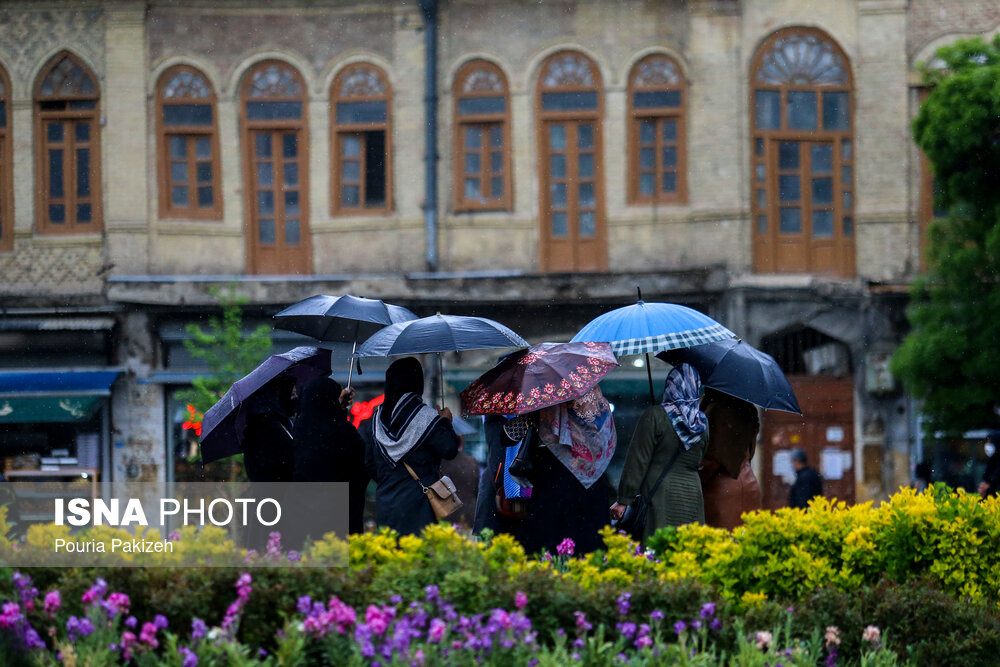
column 542, row 375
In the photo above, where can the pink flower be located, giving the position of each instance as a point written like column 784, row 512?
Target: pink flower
column 148, row 634
column 520, row 600
column 566, row 547
column 376, row 619
column 436, row 631
column 118, row 603
column 53, row 600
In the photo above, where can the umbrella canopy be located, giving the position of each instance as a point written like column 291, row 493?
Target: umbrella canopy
column 439, row 333
column 741, row 370
column 342, row 319
column 223, row 424
column 652, row 327
column 543, row 375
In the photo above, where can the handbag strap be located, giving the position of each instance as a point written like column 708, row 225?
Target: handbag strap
column 666, row 469
column 414, row 476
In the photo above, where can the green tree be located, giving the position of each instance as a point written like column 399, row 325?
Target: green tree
column 951, row 357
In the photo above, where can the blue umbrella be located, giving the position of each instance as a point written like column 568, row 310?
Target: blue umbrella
column 741, row 370
column 223, row 423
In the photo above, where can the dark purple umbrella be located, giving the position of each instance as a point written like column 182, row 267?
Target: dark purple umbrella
column 223, row 424
column 543, row 375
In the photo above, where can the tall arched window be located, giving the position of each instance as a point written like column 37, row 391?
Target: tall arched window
column 68, row 154
column 802, row 155
column 6, row 174
column 275, row 141
column 657, row 155
column 188, row 145
column 361, row 100
column 482, row 138
column 571, row 188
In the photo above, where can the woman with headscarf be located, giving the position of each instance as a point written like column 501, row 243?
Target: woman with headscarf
column 267, row 438
column 406, row 430
column 328, row 447
column 672, row 434
column 727, row 481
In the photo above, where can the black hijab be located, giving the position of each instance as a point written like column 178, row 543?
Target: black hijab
column 403, row 376
column 319, row 408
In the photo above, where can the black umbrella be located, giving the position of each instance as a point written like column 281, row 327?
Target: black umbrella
column 343, row 319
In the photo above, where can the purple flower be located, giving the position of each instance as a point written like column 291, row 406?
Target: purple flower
column 148, row 634
column 53, row 600
column 627, row 630
column 190, row 659
column 174, row 536
column 431, row 592
column 624, row 603
column 520, row 600
column 578, row 643
column 581, row 622
column 198, row 629
column 566, row 547
column 294, row 556
column 708, row 610
column 696, row 624
column 436, row 631
column 716, row 624
column 304, row 604
column 96, row 592
column 160, row 621
column 131, row 621
column 118, row 603
column 680, row 626
column 656, row 615
column 396, row 600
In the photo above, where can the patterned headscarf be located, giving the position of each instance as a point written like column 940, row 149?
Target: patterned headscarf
column 680, row 400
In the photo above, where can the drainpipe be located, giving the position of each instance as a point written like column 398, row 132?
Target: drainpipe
column 429, row 10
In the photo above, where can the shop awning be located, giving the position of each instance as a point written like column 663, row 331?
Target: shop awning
column 53, row 396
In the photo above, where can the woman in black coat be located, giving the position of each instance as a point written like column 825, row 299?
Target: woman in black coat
column 267, row 438
column 328, row 447
column 406, row 430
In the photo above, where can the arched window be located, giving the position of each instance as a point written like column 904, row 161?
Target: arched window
column 188, row 145
column 802, row 155
column 482, row 138
column 6, row 174
column 361, row 100
column 68, row 154
column 275, row 141
column 571, row 188
column 657, row 164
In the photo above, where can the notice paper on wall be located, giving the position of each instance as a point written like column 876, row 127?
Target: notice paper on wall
column 88, row 450
column 831, row 463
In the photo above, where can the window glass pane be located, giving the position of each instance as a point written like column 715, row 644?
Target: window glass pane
column 646, row 184
column 670, row 181
column 262, row 144
column 848, row 225
column 203, row 147
column 801, row 110
column 588, row 224
column 586, row 195
column 179, row 196
column 647, row 132
column 265, row 174
column 845, row 149
column 767, row 109
column 650, row 99
column 822, row 159
column 292, row 232
column 291, row 173
column 647, row 158
column 557, row 137
column 496, row 162
column 788, row 188
column 845, row 174
column 266, row 232
column 49, row 105
column 82, row 132
column 81, row 105
column 585, row 165
column 204, row 171
column 265, row 202
column 56, row 173
column 670, row 130
column 473, row 137
column 371, row 111
column 292, row 203
column 83, row 213
column 822, row 191
column 496, row 187
column 836, row 111
column 670, row 156
column 475, row 105
column 83, row 172
column 55, row 132
column 289, row 145
column 179, row 172
column 178, row 147
column 350, row 195
column 557, row 166
column 569, row 101
column 351, row 172
column 762, row 224
column 558, row 191
column 559, row 226
column 847, row 199
column 57, row 213
column 761, row 172
column 375, row 169
column 761, row 198
column 788, row 155
column 496, row 136
column 187, row 114
column 585, row 136
column 3, row 113
column 351, row 146
column 274, row 110
column 472, row 163
column 205, row 199
column 472, row 188
column 758, row 147
column 790, row 221
column 823, row 224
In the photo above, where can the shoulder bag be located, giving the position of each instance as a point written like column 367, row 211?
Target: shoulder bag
column 442, row 494
column 633, row 521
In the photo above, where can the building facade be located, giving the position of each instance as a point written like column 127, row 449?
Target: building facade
column 750, row 158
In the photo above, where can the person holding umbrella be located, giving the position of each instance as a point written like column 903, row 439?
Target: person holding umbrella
column 665, row 453
column 403, row 433
column 267, row 438
column 728, row 484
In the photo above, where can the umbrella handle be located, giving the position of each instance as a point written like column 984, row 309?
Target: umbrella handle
column 350, row 373
column 441, row 376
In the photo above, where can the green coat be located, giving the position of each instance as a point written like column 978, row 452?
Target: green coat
column 678, row 500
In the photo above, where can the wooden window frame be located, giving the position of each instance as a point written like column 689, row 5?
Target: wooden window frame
column 766, row 245
column 6, row 168
column 339, row 130
column 658, row 115
column 505, row 202
column 247, row 127
column 190, row 132
column 71, row 226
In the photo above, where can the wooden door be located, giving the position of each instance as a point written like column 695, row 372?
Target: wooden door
column 278, row 230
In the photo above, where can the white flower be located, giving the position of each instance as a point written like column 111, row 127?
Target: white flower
column 763, row 639
column 872, row 634
column 832, row 635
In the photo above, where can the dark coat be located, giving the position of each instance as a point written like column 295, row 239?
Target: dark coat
column 464, row 472
column 560, row 506
column 808, row 484
column 267, row 444
column 727, row 481
column 328, row 447
column 400, row 502
column 992, row 474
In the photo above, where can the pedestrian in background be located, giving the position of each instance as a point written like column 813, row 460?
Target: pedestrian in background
column 808, row 483
column 990, row 484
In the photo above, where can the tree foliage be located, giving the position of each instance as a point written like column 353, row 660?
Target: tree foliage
column 951, row 358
